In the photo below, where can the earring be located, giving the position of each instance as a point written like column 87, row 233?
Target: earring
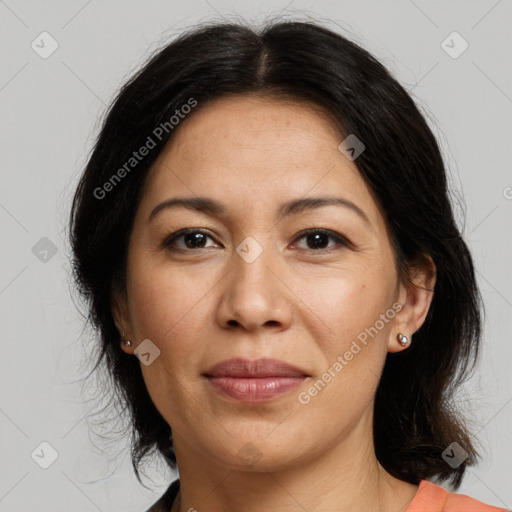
column 128, row 343
column 402, row 339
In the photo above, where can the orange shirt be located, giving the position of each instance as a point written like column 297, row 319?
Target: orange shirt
column 429, row 498
column 433, row 498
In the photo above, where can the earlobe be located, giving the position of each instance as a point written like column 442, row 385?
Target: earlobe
column 121, row 318
column 415, row 298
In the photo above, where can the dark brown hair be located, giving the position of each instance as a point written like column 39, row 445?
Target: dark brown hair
column 415, row 417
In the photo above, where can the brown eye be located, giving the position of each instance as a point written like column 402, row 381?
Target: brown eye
column 317, row 240
column 192, row 239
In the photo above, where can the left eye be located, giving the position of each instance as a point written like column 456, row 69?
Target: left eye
column 319, row 237
column 196, row 238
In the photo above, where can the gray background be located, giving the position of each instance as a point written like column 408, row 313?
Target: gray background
column 49, row 114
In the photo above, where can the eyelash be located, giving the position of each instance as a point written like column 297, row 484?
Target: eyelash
column 167, row 243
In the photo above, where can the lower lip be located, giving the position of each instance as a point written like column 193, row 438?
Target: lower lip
column 253, row 390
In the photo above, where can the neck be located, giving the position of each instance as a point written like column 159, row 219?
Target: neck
column 346, row 477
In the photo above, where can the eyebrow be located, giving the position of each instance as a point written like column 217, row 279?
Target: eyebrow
column 294, row 207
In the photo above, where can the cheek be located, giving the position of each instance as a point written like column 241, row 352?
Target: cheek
column 163, row 299
column 356, row 348
column 172, row 308
column 169, row 308
column 354, row 352
column 351, row 303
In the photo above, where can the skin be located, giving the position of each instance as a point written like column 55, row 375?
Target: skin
column 205, row 304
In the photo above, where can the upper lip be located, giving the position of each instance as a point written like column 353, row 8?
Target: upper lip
column 264, row 367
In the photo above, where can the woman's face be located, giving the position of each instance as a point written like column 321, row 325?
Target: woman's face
column 246, row 282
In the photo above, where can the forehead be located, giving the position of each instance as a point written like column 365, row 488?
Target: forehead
column 253, row 150
column 241, row 128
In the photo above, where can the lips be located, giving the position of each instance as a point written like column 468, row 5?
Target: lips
column 261, row 380
column 259, row 368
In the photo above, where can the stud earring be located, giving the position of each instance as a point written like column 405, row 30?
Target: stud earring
column 128, row 343
column 402, row 339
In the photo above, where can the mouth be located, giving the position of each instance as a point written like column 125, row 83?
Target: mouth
column 260, row 380
column 258, row 368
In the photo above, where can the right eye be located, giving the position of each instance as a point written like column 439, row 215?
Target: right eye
column 192, row 238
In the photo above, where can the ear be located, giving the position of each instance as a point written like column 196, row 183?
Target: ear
column 120, row 313
column 415, row 298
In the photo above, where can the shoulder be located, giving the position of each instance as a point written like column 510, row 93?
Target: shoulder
column 434, row 498
column 165, row 502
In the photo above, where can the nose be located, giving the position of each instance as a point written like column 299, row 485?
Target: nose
column 255, row 295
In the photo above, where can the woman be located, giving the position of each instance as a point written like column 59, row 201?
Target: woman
column 264, row 236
